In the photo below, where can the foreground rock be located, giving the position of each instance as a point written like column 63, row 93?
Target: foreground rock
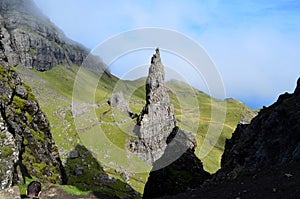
column 272, row 138
column 169, row 177
column 10, row 193
column 274, row 182
column 27, row 146
column 262, row 158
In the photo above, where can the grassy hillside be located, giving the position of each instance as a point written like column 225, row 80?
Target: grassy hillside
column 54, row 90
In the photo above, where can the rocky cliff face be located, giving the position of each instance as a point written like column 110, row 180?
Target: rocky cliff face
column 157, row 120
column 272, row 138
column 9, row 155
column 262, row 158
column 27, row 147
column 30, row 40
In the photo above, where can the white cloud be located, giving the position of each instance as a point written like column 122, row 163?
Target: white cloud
column 253, row 43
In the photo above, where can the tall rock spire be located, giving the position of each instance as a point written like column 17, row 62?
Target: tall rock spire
column 156, row 81
column 157, row 119
column 162, row 144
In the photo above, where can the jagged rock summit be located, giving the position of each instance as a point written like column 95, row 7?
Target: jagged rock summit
column 157, row 120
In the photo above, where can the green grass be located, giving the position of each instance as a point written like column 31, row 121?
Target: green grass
column 6, row 151
column 73, row 190
column 32, row 52
column 23, row 187
column 193, row 112
column 102, row 127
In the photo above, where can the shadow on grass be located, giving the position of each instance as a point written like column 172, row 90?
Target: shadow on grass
column 86, row 173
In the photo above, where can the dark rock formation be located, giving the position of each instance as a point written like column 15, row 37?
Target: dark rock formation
column 262, row 158
column 272, row 138
column 30, row 40
column 27, row 146
column 169, row 177
column 157, row 120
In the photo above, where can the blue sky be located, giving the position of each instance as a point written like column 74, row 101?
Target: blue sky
column 254, row 44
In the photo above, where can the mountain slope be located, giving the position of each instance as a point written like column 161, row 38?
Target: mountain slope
column 31, row 40
column 261, row 160
column 56, row 99
column 48, row 62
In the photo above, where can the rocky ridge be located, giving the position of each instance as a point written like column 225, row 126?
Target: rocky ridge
column 30, row 40
column 178, row 170
column 272, row 138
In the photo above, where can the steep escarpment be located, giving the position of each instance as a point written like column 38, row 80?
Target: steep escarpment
column 27, row 146
column 30, row 40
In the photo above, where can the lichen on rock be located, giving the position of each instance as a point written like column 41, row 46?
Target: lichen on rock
column 26, row 141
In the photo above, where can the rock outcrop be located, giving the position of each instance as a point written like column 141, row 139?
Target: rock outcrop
column 162, row 144
column 9, row 154
column 30, row 40
column 157, row 120
column 27, row 146
column 169, row 177
column 272, row 138
column 118, row 101
column 262, row 158
column 9, row 193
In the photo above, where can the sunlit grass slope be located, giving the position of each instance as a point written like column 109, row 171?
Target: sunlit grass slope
column 54, row 90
